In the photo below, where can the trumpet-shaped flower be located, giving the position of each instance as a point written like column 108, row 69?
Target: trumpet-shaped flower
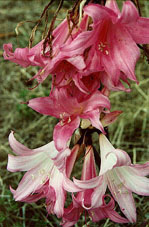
column 111, row 41
column 70, row 108
column 82, row 201
column 58, row 64
column 46, row 174
column 121, row 177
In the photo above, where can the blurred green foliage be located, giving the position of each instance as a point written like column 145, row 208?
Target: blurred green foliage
column 129, row 133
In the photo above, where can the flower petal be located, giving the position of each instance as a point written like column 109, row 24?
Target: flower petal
column 135, row 183
column 125, row 49
column 62, row 133
column 20, row 56
column 87, row 184
column 109, row 118
column 96, row 100
column 24, row 163
column 21, row 150
column 129, row 13
column 111, row 157
column 32, row 181
column 83, row 41
column 139, row 30
column 93, row 116
column 46, row 106
column 99, row 192
column 71, row 159
column 111, row 4
column 141, row 169
column 98, row 12
column 56, row 182
column 123, row 196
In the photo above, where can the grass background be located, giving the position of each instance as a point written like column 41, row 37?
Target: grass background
column 129, row 133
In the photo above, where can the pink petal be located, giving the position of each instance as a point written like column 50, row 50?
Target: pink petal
column 24, row 163
column 122, row 158
column 61, row 159
column 71, row 159
column 109, row 118
column 78, row 62
column 125, row 49
column 99, row 192
column 111, row 157
column 89, row 167
column 87, row 84
column 31, row 181
column 83, row 41
column 60, row 33
column 111, row 4
column 113, row 82
column 114, row 216
column 129, row 13
column 56, row 182
column 110, row 67
column 96, row 100
column 62, row 133
column 87, row 184
column 20, row 56
column 98, row 12
column 93, row 116
column 139, row 30
column 141, row 169
column 46, row 106
column 123, row 196
column 70, row 186
column 134, row 183
column 71, row 214
column 17, row 147
column 106, row 211
column 21, row 150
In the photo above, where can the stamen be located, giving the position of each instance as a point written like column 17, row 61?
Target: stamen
column 61, row 122
column 69, row 119
column 107, row 52
column 102, row 47
column 41, row 171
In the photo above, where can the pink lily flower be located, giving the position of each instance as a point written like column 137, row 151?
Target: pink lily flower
column 46, row 174
column 58, row 62
column 111, row 42
column 70, row 107
column 121, row 177
column 82, row 201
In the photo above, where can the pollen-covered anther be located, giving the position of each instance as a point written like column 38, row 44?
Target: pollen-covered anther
column 41, row 171
column 62, row 115
column 107, row 52
column 61, row 122
column 102, row 47
column 69, row 119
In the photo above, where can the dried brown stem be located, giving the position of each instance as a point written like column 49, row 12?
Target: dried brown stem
column 38, row 22
column 49, row 36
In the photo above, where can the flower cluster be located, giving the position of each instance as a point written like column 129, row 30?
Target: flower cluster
column 98, row 56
